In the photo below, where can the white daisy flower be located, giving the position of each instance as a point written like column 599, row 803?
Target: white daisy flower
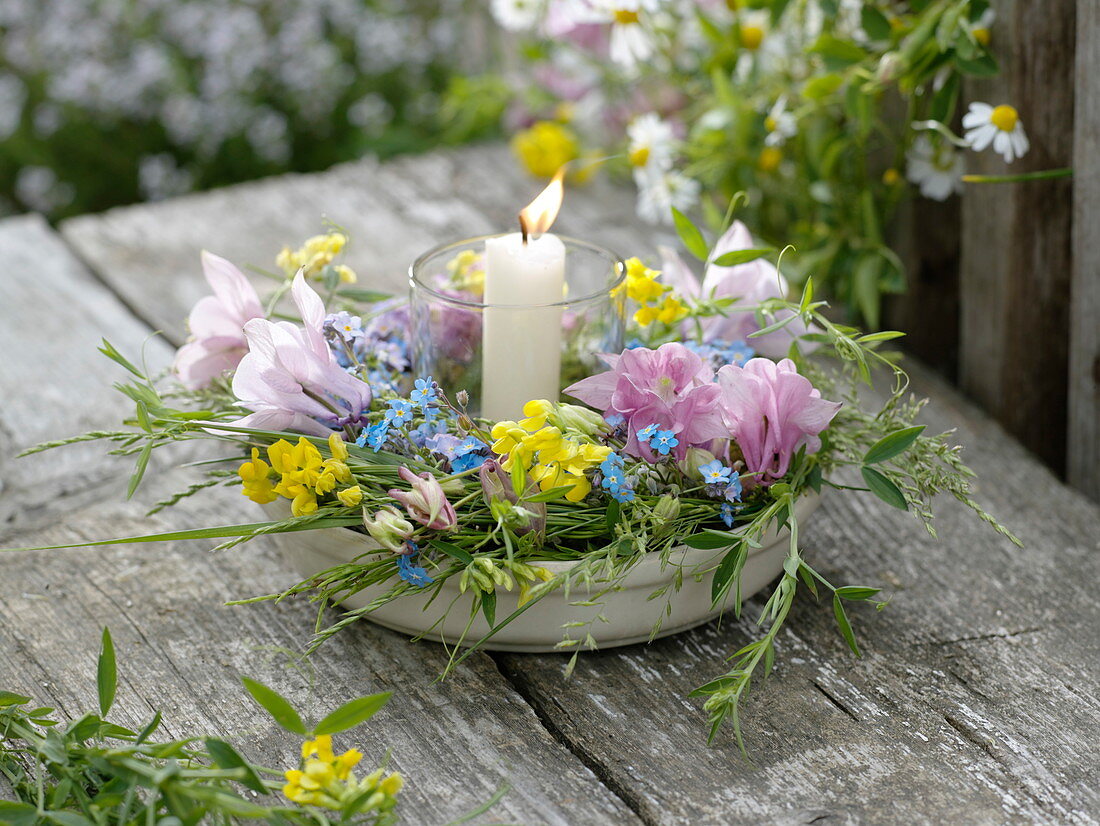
column 753, row 27
column 780, row 124
column 997, row 125
column 935, row 167
column 660, row 190
column 982, row 28
column 630, row 43
column 517, row 15
column 651, row 142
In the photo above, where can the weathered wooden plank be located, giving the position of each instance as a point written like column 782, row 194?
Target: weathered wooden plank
column 926, row 237
column 53, row 383
column 1083, row 438
column 182, row 651
column 1015, row 268
column 976, row 695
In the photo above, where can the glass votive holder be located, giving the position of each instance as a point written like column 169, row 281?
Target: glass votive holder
column 503, row 355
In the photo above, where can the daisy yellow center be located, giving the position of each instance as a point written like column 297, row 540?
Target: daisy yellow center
column 769, row 159
column 770, row 123
column 1004, row 117
column 625, row 17
column 982, row 36
column 639, row 156
column 891, row 176
column 752, row 37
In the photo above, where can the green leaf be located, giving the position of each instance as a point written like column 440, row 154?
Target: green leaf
column 139, row 469
column 885, row 335
column 883, row 488
column 365, row 296
column 982, row 66
column 840, row 52
column 276, row 705
column 549, row 495
column 223, row 801
column 813, row 479
column 106, row 674
column 208, row 533
column 944, row 100
column 724, row 574
column 690, row 235
column 892, row 444
column 845, row 626
column 611, row 517
column 865, row 287
column 227, row 757
column 461, row 554
column 519, row 478
column 808, row 578
column 18, row 814
column 874, row 23
column 8, row 698
column 709, row 540
column 732, row 259
column 150, row 727
column 114, row 355
column 856, row 592
column 351, row 714
column 489, row 607
column 69, row 819
column 807, row 295
column 822, row 86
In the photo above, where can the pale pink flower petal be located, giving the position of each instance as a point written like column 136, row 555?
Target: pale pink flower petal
column 216, row 324
column 772, row 411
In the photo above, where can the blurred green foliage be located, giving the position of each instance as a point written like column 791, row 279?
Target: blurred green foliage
column 105, row 102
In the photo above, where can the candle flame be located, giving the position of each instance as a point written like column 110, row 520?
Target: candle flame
column 537, row 217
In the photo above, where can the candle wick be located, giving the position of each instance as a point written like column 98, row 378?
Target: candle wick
column 523, row 228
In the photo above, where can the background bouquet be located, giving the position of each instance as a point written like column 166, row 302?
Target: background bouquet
column 818, row 110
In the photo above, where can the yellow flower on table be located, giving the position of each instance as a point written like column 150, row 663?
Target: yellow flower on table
column 327, row 780
column 545, row 148
column 314, row 255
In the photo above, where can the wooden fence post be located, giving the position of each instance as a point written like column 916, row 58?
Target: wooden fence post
column 1016, row 238
column 1083, row 450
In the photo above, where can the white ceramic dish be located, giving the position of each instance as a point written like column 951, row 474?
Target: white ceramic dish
column 630, row 613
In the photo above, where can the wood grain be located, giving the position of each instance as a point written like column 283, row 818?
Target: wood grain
column 53, row 382
column 1083, row 449
column 1015, row 270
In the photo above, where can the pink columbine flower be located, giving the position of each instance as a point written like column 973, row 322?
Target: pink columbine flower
column 217, row 343
column 671, row 387
column 771, row 411
column 426, row 502
column 290, row 378
column 750, row 284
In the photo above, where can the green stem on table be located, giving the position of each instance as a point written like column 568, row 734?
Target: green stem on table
column 1042, row 175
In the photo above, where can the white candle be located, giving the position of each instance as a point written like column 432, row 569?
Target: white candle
column 521, row 343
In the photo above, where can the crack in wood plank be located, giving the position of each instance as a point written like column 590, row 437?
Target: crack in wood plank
column 832, row 699
column 608, row 778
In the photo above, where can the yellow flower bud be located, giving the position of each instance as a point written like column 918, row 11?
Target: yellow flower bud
column 350, row 497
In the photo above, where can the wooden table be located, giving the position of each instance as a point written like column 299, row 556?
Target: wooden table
column 976, row 700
